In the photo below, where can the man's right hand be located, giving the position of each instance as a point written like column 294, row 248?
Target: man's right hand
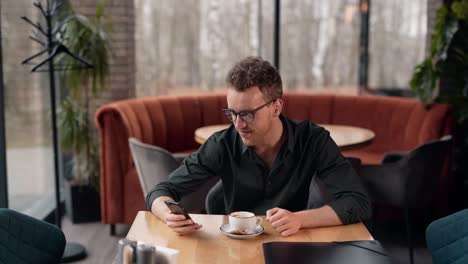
column 176, row 222
column 179, row 224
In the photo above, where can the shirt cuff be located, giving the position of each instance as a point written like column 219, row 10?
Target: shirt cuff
column 153, row 195
column 345, row 212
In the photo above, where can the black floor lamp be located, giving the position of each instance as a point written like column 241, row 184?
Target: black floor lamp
column 47, row 36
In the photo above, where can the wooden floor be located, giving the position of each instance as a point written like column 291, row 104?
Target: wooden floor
column 101, row 247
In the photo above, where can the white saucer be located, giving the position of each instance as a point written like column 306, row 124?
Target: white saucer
column 227, row 229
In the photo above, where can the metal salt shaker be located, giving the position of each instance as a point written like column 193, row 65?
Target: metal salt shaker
column 120, row 250
column 145, row 254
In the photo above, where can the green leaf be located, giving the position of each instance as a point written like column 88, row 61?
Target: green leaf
column 74, row 129
column 460, row 9
column 446, row 27
column 423, row 81
column 441, row 17
column 85, row 36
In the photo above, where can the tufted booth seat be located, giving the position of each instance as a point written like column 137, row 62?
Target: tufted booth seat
column 170, row 121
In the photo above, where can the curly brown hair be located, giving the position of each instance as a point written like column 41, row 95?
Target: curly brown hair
column 255, row 71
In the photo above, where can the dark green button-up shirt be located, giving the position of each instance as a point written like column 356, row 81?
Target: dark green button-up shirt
column 249, row 185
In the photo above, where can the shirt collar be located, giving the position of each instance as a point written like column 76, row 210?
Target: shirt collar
column 245, row 148
column 289, row 136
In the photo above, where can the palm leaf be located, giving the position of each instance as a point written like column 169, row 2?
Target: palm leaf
column 86, row 37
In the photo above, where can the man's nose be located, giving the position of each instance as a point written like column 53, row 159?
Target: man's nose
column 239, row 122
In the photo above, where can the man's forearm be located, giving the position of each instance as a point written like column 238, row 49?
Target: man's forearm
column 324, row 216
column 159, row 208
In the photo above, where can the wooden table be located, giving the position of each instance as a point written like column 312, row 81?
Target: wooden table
column 210, row 245
column 344, row 136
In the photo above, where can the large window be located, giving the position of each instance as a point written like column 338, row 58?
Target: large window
column 189, row 45
column 320, row 45
column 29, row 154
column 397, row 41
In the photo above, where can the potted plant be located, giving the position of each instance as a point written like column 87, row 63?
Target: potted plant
column 85, row 36
column 443, row 77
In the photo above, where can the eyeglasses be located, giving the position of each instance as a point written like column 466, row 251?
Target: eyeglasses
column 246, row 116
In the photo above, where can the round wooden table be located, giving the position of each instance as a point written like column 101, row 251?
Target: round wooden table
column 344, row 136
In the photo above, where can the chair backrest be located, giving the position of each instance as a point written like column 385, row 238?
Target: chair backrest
column 24, row 239
column 447, row 238
column 214, row 202
column 153, row 164
column 408, row 181
column 422, row 167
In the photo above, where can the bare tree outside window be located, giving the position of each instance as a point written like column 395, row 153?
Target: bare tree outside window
column 397, row 41
column 320, row 41
column 188, row 46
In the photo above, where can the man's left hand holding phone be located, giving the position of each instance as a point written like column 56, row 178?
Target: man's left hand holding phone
column 175, row 216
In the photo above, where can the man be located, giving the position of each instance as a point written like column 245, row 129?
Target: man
column 266, row 162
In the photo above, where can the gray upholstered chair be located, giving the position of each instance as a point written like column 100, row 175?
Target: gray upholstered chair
column 407, row 180
column 154, row 164
column 24, row 239
column 214, row 202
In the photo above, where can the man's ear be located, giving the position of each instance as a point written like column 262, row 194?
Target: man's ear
column 278, row 106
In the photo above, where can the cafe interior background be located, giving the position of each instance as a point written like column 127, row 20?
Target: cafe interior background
column 159, row 48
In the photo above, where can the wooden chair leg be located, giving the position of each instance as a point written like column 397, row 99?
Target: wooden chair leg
column 112, row 229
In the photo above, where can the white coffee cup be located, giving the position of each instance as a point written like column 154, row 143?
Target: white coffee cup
column 245, row 221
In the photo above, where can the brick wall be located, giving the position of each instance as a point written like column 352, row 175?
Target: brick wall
column 121, row 82
column 27, row 107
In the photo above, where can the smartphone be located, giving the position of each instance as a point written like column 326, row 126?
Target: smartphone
column 177, row 208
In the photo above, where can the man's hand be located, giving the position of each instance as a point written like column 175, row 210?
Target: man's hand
column 284, row 221
column 288, row 223
column 178, row 223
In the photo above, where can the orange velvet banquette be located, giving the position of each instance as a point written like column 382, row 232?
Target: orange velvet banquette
column 399, row 124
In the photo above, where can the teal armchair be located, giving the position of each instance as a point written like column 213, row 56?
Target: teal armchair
column 24, row 239
column 447, row 239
